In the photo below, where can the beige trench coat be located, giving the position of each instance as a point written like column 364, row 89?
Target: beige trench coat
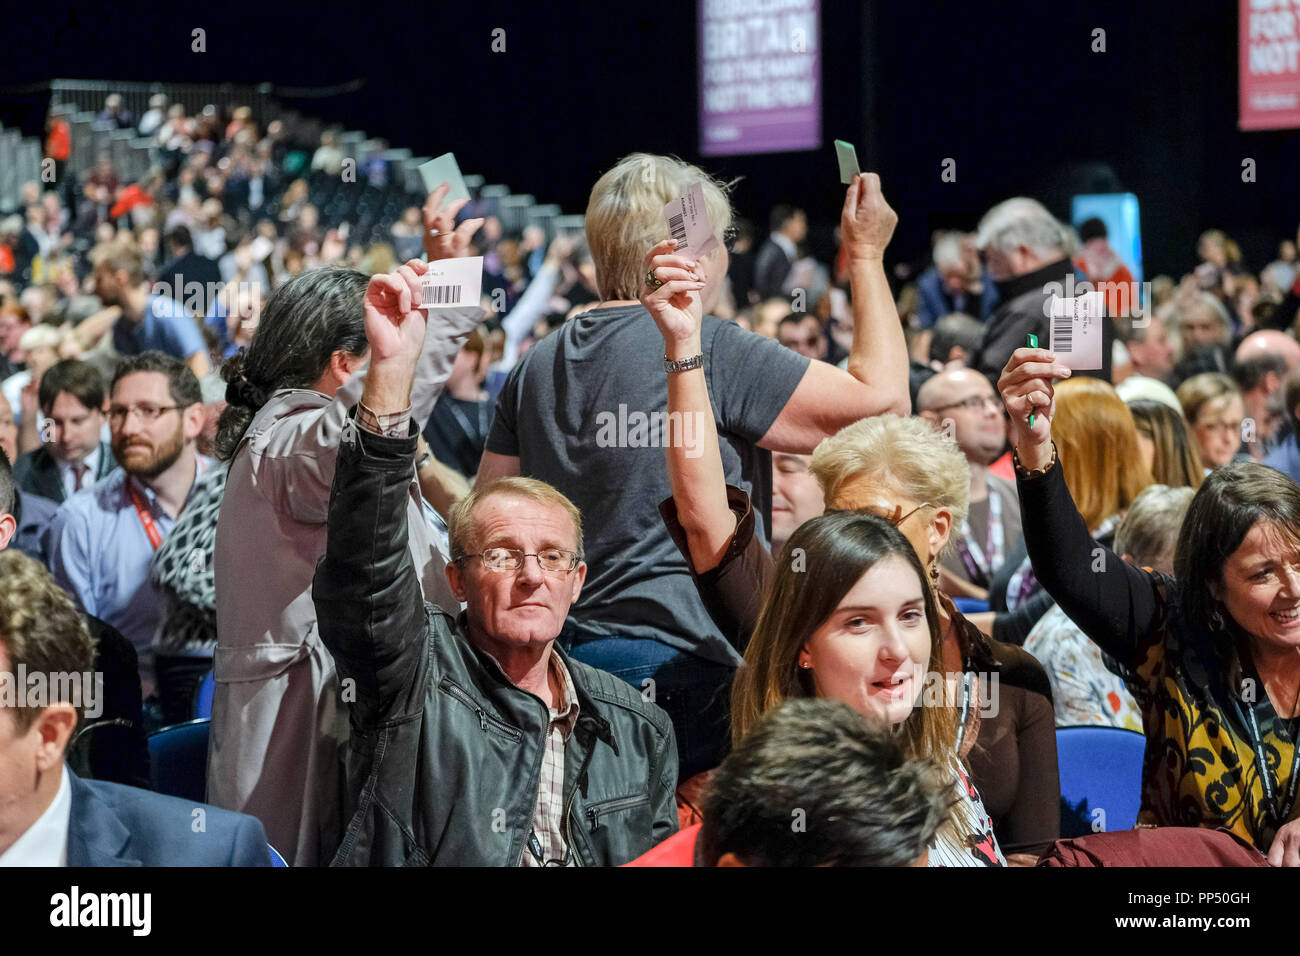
column 278, row 721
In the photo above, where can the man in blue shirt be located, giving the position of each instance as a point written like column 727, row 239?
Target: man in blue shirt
column 104, row 538
column 148, row 322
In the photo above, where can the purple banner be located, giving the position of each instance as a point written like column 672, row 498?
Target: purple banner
column 760, row 76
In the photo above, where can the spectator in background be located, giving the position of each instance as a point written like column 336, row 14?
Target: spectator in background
column 458, row 428
column 1101, row 266
column 148, row 322
column 1260, row 368
column 952, row 341
column 1286, row 456
column 1150, row 353
column 864, row 801
column 14, row 321
column 1027, row 252
column 73, row 456
column 1088, row 687
column 557, row 420
column 802, row 333
column 1205, row 331
column 962, row 405
column 29, row 514
column 955, row 282
column 776, row 257
column 1167, row 448
column 104, row 538
column 188, row 276
column 154, row 116
column 796, row 496
column 408, row 235
column 1213, row 406
column 114, row 112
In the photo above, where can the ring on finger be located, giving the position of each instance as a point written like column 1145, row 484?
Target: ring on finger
column 652, row 281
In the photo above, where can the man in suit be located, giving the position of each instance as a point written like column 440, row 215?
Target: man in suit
column 777, row 255
column 48, row 815
column 71, row 396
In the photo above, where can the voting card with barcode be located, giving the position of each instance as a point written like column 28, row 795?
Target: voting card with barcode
column 444, row 169
column 1076, row 330
column 452, row 283
column 688, row 223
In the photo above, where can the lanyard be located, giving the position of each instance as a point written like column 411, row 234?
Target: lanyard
column 964, row 709
column 146, row 519
column 972, row 555
column 1277, row 815
column 535, row 848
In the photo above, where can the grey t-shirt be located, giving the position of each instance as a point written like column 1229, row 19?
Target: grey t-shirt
column 584, row 410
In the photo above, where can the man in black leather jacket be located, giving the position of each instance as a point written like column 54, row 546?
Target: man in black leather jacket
column 474, row 741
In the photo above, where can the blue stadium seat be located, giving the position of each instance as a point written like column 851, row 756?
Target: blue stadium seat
column 1101, row 770
column 276, row 859
column 971, row 605
column 178, row 758
column 203, row 697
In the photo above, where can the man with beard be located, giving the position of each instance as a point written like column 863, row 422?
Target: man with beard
column 104, row 538
column 961, row 403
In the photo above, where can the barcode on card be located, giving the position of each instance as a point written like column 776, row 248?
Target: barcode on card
column 678, row 228
column 442, row 295
column 1063, row 333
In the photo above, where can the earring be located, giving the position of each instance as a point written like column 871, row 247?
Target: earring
column 806, row 665
column 1216, row 619
column 934, row 575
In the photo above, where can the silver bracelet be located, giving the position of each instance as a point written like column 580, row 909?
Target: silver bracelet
column 683, row 365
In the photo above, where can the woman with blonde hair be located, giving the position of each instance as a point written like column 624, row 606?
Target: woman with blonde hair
column 1213, row 406
column 583, row 410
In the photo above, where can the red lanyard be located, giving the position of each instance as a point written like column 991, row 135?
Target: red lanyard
column 146, row 519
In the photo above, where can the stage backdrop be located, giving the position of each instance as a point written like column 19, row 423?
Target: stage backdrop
column 1269, row 64
column 760, row 76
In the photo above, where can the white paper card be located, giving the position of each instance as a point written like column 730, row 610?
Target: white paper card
column 1076, row 330
column 688, row 222
column 452, row 283
column 444, row 169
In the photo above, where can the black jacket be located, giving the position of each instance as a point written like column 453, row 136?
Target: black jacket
column 38, row 472
column 446, row 753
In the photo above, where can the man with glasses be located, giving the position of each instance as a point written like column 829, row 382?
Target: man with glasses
column 961, row 404
column 103, row 538
column 475, row 740
column 803, row 334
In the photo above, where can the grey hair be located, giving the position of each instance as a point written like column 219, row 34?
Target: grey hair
column 1022, row 222
column 1149, row 531
column 947, row 250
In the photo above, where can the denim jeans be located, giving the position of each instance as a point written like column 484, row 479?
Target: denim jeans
column 696, row 693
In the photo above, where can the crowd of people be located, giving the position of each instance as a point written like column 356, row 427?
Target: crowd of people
column 501, row 584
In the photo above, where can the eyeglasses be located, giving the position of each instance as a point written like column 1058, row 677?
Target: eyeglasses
column 554, row 560
column 118, row 414
column 974, row 403
column 814, row 342
column 896, row 519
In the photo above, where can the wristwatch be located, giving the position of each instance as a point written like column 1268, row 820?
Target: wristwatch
column 683, row 365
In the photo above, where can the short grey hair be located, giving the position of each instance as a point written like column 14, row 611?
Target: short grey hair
column 1022, row 222
column 1149, row 531
column 947, row 250
column 625, row 216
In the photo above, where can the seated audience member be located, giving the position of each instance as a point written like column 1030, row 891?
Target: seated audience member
column 892, row 466
column 1167, row 449
column 1150, row 352
column 148, row 322
column 104, row 538
column 802, row 333
column 1085, row 690
column 952, row 340
column 864, row 802
column 31, row 514
column 14, row 322
column 962, row 405
column 71, row 396
column 1213, row 408
column 1027, row 252
column 1213, row 651
column 458, row 426
column 955, row 282
column 278, row 725
column 49, row 816
column 458, row 718
column 1205, row 331
column 1260, row 367
column 1160, row 846
column 796, row 496
column 1286, row 456
column 568, row 415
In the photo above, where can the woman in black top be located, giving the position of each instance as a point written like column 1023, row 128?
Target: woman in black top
column 1212, row 655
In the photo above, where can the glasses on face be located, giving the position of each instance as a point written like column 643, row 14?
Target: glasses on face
column 1220, row 428
column 554, row 560
column 118, row 414
column 896, row 519
column 974, row 403
column 812, row 343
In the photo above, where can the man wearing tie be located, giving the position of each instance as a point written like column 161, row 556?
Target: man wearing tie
column 74, row 455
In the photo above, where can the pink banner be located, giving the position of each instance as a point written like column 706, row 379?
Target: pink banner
column 1269, row 64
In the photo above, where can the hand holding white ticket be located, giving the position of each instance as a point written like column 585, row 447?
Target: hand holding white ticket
column 688, row 222
column 1076, row 330
column 452, row 283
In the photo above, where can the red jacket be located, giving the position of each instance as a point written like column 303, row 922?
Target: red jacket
column 677, row 850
